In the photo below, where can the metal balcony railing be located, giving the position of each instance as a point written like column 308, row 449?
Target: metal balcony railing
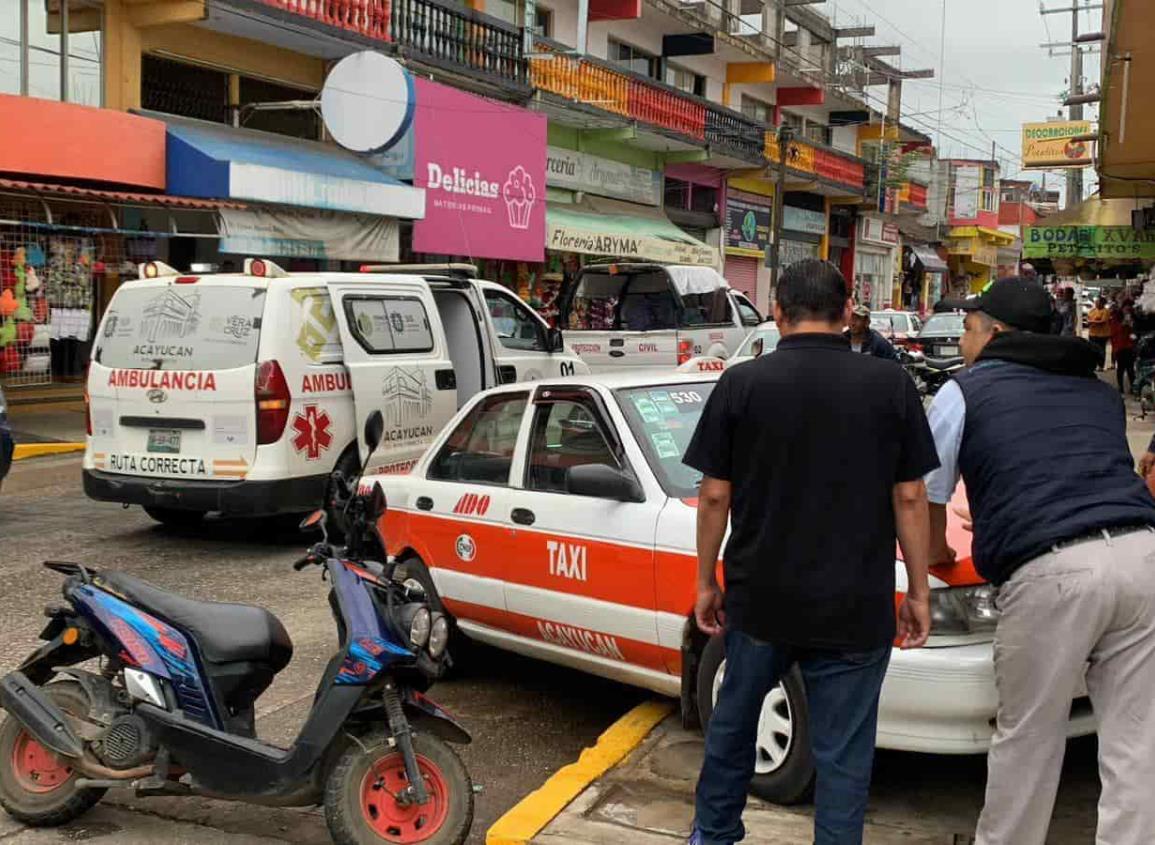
column 364, row 17
column 438, row 31
column 602, row 86
column 457, row 36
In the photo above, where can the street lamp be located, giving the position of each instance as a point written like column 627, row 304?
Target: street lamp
column 785, row 136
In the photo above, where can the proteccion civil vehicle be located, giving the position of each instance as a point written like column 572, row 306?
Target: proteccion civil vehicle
column 242, row 393
column 557, row 520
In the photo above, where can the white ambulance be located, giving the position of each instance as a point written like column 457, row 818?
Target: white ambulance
column 244, row 393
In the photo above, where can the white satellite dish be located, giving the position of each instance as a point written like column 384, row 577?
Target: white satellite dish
column 367, row 102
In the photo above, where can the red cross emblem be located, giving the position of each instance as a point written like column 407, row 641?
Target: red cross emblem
column 312, row 429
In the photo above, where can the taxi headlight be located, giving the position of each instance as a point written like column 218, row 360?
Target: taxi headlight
column 438, row 635
column 963, row 610
column 414, row 621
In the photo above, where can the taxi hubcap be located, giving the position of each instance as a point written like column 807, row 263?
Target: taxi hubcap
column 775, row 737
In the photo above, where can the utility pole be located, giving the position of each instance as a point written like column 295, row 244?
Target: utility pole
column 1074, row 174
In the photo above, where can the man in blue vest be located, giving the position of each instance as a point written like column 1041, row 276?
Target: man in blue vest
column 1063, row 527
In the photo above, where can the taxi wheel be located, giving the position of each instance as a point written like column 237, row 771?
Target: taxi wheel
column 783, row 765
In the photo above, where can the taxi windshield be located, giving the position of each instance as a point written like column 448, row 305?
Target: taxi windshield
column 663, row 419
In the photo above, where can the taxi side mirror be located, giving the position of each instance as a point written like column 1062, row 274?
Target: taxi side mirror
column 757, row 346
column 554, row 342
column 602, row 481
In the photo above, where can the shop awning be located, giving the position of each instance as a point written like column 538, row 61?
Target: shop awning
column 209, row 160
column 929, row 259
column 603, row 228
column 114, row 197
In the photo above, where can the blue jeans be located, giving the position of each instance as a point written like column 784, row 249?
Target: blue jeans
column 842, row 694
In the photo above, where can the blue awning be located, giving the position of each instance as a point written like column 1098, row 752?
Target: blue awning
column 210, row 160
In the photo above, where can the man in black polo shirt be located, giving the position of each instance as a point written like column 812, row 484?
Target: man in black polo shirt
column 816, row 456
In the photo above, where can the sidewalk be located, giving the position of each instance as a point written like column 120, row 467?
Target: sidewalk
column 48, row 423
column 916, row 799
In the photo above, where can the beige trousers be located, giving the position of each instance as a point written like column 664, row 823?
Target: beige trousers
column 1087, row 610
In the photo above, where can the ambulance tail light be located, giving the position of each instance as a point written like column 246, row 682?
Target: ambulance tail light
column 685, row 351
column 273, row 400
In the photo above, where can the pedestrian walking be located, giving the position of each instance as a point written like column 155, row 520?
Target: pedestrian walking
column 809, row 566
column 1099, row 328
column 1065, row 313
column 1070, row 545
column 1123, row 343
column 864, row 339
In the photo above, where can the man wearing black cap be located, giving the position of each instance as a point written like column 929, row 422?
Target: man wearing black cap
column 1070, row 544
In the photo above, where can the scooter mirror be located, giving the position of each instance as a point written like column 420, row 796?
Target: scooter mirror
column 374, row 429
column 316, row 519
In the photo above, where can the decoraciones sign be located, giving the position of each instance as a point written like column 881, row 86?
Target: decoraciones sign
column 1052, row 144
column 602, row 176
column 482, row 165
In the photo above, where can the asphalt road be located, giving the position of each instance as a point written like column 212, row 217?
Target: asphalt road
column 528, row 718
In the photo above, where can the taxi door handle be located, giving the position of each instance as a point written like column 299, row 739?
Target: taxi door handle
column 522, row 516
column 424, row 503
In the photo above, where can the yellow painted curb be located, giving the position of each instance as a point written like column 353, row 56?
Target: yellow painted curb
column 37, row 450
column 529, row 816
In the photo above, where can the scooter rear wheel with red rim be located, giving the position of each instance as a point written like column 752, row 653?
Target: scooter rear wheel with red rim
column 36, row 787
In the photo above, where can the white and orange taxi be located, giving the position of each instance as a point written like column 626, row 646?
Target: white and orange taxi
column 557, row 520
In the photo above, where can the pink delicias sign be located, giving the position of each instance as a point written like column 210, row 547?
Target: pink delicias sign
column 482, row 165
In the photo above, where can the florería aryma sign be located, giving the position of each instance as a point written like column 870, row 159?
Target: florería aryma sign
column 1053, row 144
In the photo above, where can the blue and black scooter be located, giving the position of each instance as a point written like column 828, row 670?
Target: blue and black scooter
column 171, row 710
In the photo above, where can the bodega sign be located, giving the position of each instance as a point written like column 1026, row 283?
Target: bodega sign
column 482, row 165
column 1121, row 242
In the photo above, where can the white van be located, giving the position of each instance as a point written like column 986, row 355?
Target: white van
column 653, row 316
column 245, row 393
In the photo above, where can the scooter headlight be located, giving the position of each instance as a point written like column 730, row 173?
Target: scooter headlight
column 438, row 636
column 415, row 623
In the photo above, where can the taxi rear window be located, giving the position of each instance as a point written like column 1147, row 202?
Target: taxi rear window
column 181, row 327
column 663, row 419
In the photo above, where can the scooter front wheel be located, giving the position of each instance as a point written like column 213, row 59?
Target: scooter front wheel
column 361, row 804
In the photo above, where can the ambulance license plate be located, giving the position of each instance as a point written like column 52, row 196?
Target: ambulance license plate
column 164, row 440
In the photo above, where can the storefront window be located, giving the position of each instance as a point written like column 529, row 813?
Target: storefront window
column 686, row 80
column 84, row 79
column 757, row 110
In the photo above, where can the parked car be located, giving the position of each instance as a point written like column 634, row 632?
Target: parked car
column 557, row 520
column 899, row 327
column 653, row 316
column 7, row 446
column 195, row 407
column 941, row 334
column 761, row 341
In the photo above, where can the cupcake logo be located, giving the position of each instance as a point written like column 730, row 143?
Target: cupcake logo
column 519, row 195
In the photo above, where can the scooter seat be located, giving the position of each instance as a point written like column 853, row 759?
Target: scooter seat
column 943, row 363
column 224, row 633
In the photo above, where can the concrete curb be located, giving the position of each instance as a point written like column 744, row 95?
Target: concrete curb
column 39, row 450
column 529, row 816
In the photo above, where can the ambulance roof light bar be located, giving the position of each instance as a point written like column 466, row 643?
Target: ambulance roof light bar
column 262, row 268
column 457, row 270
column 155, row 270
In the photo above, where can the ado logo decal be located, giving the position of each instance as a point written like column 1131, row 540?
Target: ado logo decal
column 472, row 504
column 313, row 435
column 465, row 547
